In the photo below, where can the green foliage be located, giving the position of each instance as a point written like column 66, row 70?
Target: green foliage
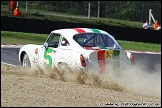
column 140, row 46
column 73, row 18
column 8, row 37
column 126, row 10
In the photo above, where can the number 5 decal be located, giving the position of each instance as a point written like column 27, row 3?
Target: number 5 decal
column 47, row 56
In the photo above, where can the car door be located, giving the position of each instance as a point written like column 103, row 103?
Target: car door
column 49, row 49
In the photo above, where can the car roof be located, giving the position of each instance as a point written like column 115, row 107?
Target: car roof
column 70, row 32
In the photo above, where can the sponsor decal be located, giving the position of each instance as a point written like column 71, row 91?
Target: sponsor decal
column 104, row 55
column 108, row 54
column 101, row 61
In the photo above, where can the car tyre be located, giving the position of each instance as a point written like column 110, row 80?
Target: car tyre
column 26, row 61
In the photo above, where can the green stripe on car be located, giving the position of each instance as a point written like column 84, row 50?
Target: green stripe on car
column 95, row 30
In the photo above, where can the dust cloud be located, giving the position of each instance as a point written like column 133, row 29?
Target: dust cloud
column 140, row 81
column 45, row 87
column 135, row 79
column 138, row 78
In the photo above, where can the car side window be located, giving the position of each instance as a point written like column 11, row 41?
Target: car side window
column 53, row 40
column 64, row 42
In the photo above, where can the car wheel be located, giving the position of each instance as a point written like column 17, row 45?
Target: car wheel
column 25, row 61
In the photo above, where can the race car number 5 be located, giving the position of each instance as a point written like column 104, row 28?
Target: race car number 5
column 47, row 56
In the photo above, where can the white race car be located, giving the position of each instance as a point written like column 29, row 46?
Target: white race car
column 80, row 49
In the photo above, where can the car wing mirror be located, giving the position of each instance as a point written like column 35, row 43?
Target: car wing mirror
column 46, row 44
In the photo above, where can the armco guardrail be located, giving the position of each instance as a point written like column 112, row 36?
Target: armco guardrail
column 44, row 27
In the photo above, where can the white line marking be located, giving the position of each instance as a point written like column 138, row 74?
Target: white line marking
column 11, row 46
column 8, row 64
column 143, row 52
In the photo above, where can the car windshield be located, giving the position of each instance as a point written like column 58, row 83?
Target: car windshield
column 95, row 40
